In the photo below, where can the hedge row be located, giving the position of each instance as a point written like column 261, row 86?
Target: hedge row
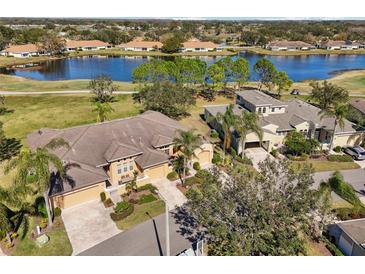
column 339, row 158
column 120, row 215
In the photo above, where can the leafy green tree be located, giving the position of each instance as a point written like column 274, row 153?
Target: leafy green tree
column 327, row 95
column 266, row 71
column 282, row 82
column 9, row 147
column 103, row 111
column 245, row 123
column 187, row 142
column 240, row 71
column 216, row 74
column 33, row 169
column 6, row 224
column 179, row 165
column 297, row 143
column 172, row 44
column 102, row 87
column 227, row 121
column 190, row 71
column 132, row 185
column 155, row 71
column 166, row 97
column 256, row 214
column 227, row 64
column 52, row 44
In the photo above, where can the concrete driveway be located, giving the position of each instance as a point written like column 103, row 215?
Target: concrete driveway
column 257, row 155
column 87, row 225
column 170, row 193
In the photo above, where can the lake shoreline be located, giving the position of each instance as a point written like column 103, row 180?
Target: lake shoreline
column 267, row 52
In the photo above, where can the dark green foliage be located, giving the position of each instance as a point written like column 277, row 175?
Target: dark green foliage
column 214, row 134
column 41, row 207
column 192, row 181
column 167, row 98
column 337, row 149
column 202, row 174
column 297, row 144
column 57, row 212
column 121, row 211
column 172, row 45
column 346, row 213
column 196, row 166
column 146, row 199
column 343, row 189
column 233, row 152
column 9, row 147
column 333, row 249
column 266, row 71
column 121, row 206
column 149, row 187
column 102, row 87
column 327, row 94
column 274, row 152
column 102, row 196
column 339, row 158
column 217, row 159
column 244, row 160
column 172, row 176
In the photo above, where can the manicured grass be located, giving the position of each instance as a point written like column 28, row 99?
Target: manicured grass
column 319, row 166
column 13, row 61
column 139, row 215
column 57, row 111
column 14, row 83
column 5, row 180
column 302, row 52
column 58, row 245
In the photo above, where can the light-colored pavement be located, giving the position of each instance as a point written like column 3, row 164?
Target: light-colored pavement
column 57, row 92
column 361, row 163
column 257, row 155
column 87, row 225
column 171, row 194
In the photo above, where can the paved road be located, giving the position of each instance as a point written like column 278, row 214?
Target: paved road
column 3, row 92
column 355, row 177
column 146, row 239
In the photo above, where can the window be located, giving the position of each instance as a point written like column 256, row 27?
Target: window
column 259, row 110
column 119, row 169
column 125, row 167
column 273, row 110
column 130, row 166
column 263, row 110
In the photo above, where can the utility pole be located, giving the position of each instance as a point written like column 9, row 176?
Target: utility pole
column 167, row 224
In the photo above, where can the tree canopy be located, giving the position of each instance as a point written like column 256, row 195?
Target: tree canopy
column 326, row 95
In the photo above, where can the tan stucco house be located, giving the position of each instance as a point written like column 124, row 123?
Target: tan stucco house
column 103, row 157
column 278, row 118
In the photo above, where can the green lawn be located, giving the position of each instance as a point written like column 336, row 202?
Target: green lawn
column 258, row 50
column 58, row 245
column 57, row 111
column 327, row 165
column 139, row 215
column 14, row 83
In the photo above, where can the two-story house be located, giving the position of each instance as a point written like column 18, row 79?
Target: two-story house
column 103, row 157
column 278, row 118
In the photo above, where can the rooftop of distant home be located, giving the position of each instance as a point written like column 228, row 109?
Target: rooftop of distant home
column 359, row 104
column 21, row 48
column 355, row 229
column 140, row 43
column 286, row 43
column 85, row 43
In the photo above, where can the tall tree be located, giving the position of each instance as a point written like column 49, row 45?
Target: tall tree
column 187, row 142
column 102, row 87
column 227, row 64
column 37, row 168
column 52, row 44
column 256, row 214
column 245, row 123
column 282, row 82
column 172, row 44
column 327, row 95
column 240, row 71
column 216, row 74
column 227, row 121
column 9, row 147
column 190, row 71
column 266, row 71
column 103, row 111
column 155, row 71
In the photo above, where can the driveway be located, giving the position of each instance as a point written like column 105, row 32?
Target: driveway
column 170, row 192
column 257, row 155
column 87, row 225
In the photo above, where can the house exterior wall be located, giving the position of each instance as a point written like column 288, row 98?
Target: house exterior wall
column 113, row 170
column 348, row 140
column 157, row 172
column 204, row 154
column 79, row 196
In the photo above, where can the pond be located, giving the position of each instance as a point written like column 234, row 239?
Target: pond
column 299, row 68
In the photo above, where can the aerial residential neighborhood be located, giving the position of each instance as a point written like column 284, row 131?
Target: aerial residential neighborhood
column 179, row 136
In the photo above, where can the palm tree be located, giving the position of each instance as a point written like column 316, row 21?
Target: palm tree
column 103, row 110
column 132, row 185
column 187, row 142
column 227, row 120
column 338, row 111
column 35, row 169
column 245, row 123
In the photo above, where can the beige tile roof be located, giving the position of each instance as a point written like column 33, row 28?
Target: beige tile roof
column 199, row 44
column 22, row 48
column 359, row 104
column 85, row 43
column 137, row 43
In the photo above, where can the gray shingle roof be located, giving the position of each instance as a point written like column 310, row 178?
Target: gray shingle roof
column 355, row 229
column 359, row 104
column 95, row 145
column 259, row 98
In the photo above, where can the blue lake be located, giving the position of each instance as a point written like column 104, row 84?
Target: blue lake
column 120, row 68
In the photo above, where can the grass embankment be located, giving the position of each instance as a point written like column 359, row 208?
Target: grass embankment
column 302, row 52
column 58, row 245
column 139, row 214
column 13, row 61
column 324, row 165
column 14, row 83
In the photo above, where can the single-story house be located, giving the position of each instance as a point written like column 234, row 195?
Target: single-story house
column 199, row 46
column 349, row 236
column 22, row 51
column 139, row 44
column 278, row 118
column 103, row 157
column 289, row 45
column 339, row 45
column 73, row 45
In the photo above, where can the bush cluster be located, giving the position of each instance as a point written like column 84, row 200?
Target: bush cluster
column 274, row 152
column 57, row 212
column 102, row 196
column 146, row 199
column 339, row 158
column 343, row 189
column 149, row 187
column 217, row 159
column 214, row 134
column 196, row 166
column 121, row 211
column 337, row 149
column 172, row 176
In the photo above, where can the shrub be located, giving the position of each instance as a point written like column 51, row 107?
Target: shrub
column 149, row 187
column 217, row 159
column 214, row 134
column 41, row 207
column 57, row 212
column 339, row 158
column 202, row 174
column 117, row 216
column 196, row 166
column 192, row 181
column 43, row 223
column 345, row 213
column 337, row 149
column 301, row 158
column 102, row 196
column 245, row 160
column 121, row 206
column 14, row 235
column 274, row 152
column 146, row 199
column 172, row 176
column 343, row 189
column 233, row 152
column 108, row 202
column 333, row 249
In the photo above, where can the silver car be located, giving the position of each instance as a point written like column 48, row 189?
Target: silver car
column 357, row 153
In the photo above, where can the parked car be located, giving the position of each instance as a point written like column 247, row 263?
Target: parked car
column 295, row 92
column 357, row 153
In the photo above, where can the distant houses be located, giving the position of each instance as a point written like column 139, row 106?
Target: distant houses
column 340, row 45
column 199, row 46
column 74, row 45
column 289, row 45
column 139, row 45
column 22, row 51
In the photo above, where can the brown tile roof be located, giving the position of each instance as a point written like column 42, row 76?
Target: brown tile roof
column 138, row 43
column 85, row 43
column 359, row 104
column 96, row 145
column 339, row 43
column 199, row 44
column 22, row 48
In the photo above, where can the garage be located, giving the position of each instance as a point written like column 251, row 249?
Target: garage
column 264, row 144
column 77, row 197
